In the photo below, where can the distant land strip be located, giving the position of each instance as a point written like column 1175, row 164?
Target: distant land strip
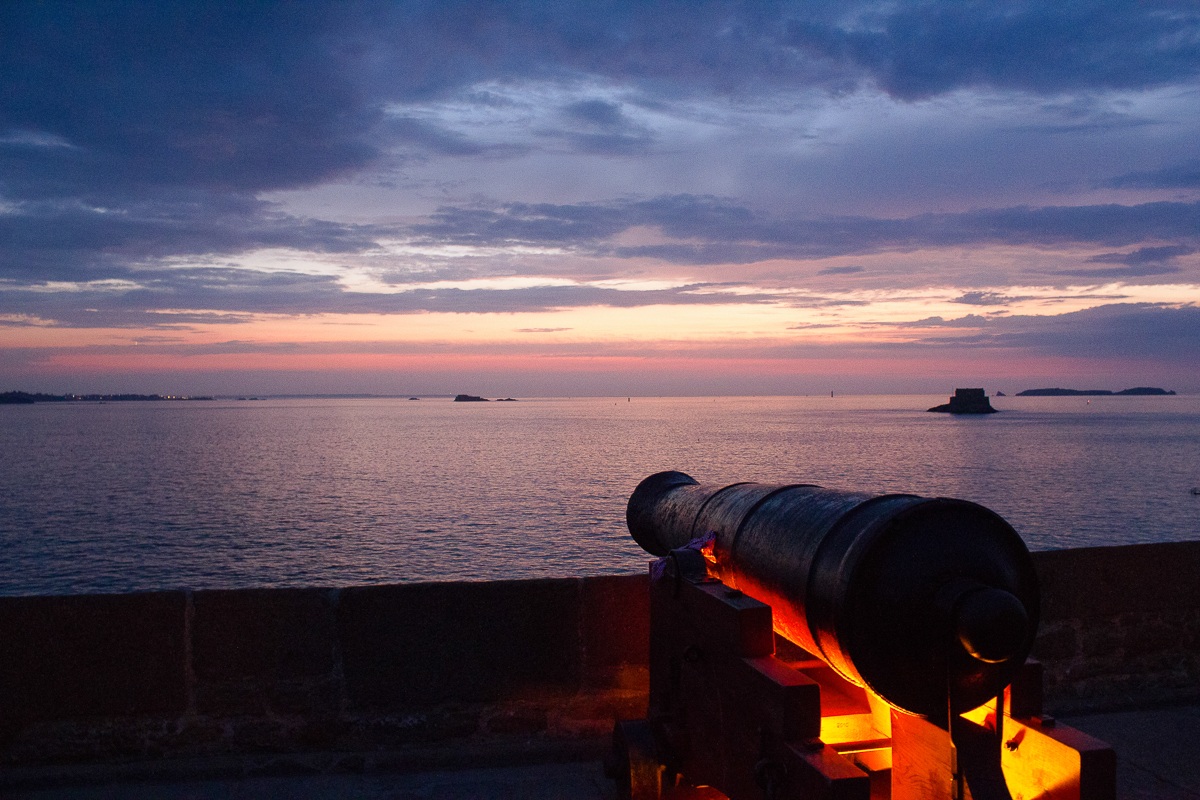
column 37, row 397
column 1137, row 390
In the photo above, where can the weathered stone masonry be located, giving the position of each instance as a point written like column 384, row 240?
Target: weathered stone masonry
column 426, row 670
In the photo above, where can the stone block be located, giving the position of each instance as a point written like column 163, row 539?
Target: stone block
column 602, row 706
column 1056, row 643
column 381, row 731
column 1105, row 581
column 260, row 650
column 91, row 656
column 304, row 697
column 616, row 630
column 517, row 720
column 419, row 645
column 1101, row 639
column 1148, row 633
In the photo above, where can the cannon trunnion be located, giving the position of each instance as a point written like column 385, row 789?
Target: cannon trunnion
column 810, row 643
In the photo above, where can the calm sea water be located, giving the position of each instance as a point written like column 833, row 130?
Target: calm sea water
column 137, row 496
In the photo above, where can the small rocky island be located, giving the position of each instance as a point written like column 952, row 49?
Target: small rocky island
column 966, row 401
column 469, row 398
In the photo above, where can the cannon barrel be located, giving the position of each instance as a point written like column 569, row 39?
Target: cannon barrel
column 931, row 603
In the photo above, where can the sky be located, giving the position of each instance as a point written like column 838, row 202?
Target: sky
column 600, row 198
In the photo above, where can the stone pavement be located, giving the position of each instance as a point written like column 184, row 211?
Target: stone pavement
column 576, row 780
column 1158, row 750
column 1158, row 757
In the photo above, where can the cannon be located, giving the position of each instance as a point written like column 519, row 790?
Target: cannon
column 811, row 643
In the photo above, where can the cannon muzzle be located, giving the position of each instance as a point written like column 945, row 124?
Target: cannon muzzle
column 931, row 603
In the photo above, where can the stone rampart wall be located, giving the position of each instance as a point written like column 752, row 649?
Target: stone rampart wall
column 1120, row 626
column 438, row 668
column 413, row 666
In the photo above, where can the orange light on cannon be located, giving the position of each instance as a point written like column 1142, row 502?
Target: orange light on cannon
column 812, row 643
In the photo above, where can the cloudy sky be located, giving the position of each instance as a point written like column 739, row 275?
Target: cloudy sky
column 609, row 198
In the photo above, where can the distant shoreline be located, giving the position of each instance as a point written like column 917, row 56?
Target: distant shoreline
column 21, row 397
column 25, row 398
column 1137, row 391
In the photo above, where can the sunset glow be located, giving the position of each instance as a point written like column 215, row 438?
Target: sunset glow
column 613, row 199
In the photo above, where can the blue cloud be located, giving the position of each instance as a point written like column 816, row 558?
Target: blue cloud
column 1117, row 273
column 154, row 95
column 1179, row 176
column 716, row 230
column 916, row 50
column 134, row 134
column 70, row 241
column 251, row 97
column 600, row 113
column 1144, row 255
column 1119, row 331
column 985, row 299
column 230, row 294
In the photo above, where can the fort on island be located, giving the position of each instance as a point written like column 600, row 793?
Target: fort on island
column 966, row 401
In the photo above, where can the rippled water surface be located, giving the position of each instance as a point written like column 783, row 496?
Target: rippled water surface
column 133, row 496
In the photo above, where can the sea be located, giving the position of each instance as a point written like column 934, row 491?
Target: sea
column 216, row 494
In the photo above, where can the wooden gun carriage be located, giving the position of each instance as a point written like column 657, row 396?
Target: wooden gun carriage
column 817, row 644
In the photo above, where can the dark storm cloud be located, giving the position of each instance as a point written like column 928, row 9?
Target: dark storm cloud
column 1085, row 120
column 908, row 49
column 1113, row 331
column 430, row 136
column 917, row 50
column 1144, row 255
column 132, row 134
column 682, row 216
column 728, row 231
column 229, row 295
column 226, row 295
column 1117, row 273
column 136, row 132
column 969, row 321
column 72, row 316
column 986, row 299
column 1180, row 176
column 140, row 131
column 69, row 240
column 1109, row 224
column 1000, row 299
column 600, row 113
column 237, row 97
column 723, row 231
column 107, row 99
column 534, row 299
column 1139, row 263
column 61, row 241
column 600, row 127
column 248, row 97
